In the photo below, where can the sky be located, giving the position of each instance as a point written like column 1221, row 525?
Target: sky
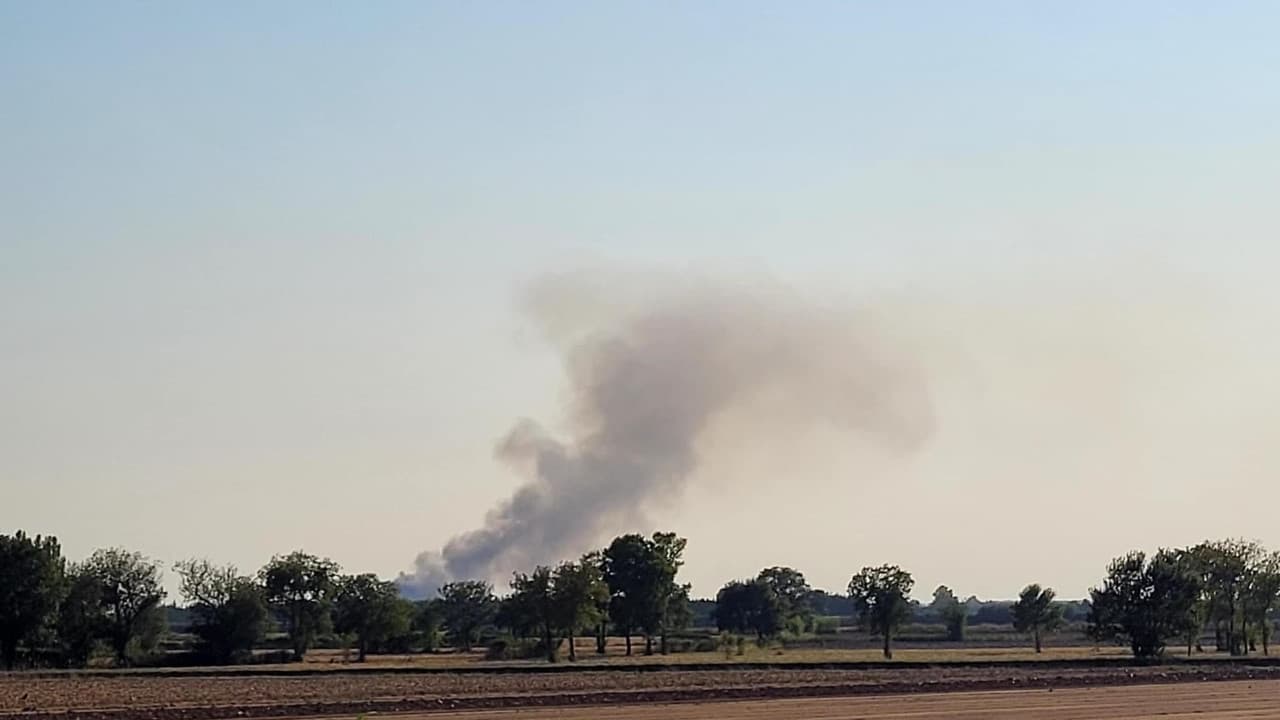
column 264, row 268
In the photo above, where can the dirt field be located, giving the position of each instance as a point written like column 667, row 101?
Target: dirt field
column 182, row 697
column 1205, row 701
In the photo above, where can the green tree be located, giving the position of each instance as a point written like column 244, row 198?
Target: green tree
column 879, row 596
column 517, row 615
column 953, row 613
column 641, row 575
column 579, row 598
column 1225, row 567
column 31, row 583
column 81, row 620
column 752, row 606
column 628, row 573
column 532, row 606
column 672, row 597
column 1262, row 595
column 467, row 607
column 1036, row 613
column 603, row 601
column 793, row 593
column 677, row 612
column 956, row 619
column 427, row 619
column 229, row 610
column 130, row 588
column 371, row 609
column 299, row 587
column 1144, row 603
column 943, row 597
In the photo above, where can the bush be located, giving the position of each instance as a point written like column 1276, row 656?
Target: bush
column 692, row 644
column 829, row 625
column 509, row 648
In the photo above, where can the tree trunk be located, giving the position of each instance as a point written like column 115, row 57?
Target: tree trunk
column 573, row 650
column 601, row 639
column 888, row 653
column 9, row 652
column 628, row 634
column 546, row 638
column 648, row 644
column 663, row 646
column 120, row 644
column 363, row 650
column 1231, row 627
column 1036, row 632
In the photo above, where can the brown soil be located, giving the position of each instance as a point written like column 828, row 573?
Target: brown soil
column 1213, row 701
column 142, row 697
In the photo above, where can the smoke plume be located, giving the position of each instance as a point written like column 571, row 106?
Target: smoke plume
column 646, row 380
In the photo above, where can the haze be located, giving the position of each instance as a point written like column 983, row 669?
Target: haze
column 283, row 277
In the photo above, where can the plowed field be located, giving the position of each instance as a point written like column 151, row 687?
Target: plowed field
column 1206, row 701
column 142, row 696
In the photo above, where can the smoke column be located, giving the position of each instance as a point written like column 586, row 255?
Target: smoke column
column 646, row 379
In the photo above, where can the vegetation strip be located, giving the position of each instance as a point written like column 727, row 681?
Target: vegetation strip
column 290, row 671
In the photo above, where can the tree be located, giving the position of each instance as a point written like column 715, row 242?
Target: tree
column 953, row 613
column 629, row 575
column 579, row 598
column 603, row 601
column 640, row 573
column 467, row 607
column 1144, row 603
column 300, row 588
column 793, row 593
column 371, row 609
column 956, row 619
column 1194, row 563
column 943, row 597
column 1224, row 567
column 751, row 606
column 427, row 619
column 879, row 596
column 31, row 583
column 81, row 620
column 532, row 606
column 1036, row 613
column 229, row 610
column 678, row 613
column 1262, row 595
column 673, row 598
column 517, row 615
column 130, row 589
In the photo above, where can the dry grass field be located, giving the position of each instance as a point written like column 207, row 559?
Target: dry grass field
column 334, row 659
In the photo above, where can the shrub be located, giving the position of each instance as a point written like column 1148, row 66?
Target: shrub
column 509, row 648
column 829, row 625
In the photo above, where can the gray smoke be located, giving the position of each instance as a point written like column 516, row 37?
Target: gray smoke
column 647, row 379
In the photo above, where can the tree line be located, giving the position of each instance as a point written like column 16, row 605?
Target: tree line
column 1228, row 587
column 60, row 613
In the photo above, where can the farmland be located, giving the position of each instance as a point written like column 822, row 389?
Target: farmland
column 290, row 691
column 1236, row 700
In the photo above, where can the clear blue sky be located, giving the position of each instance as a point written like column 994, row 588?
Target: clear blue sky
column 257, row 256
